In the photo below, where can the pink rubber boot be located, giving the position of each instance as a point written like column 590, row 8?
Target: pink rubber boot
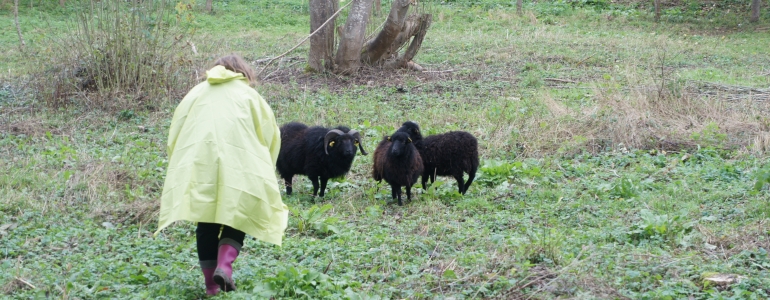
column 212, row 288
column 223, row 275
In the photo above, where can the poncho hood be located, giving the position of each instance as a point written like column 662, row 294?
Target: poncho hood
column 220, row 74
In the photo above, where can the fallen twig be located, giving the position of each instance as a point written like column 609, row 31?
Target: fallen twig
column 27, row 283
column 329, row 265
column 442, row 71
column 259, row 61
column 560, row 80
column 584, row 60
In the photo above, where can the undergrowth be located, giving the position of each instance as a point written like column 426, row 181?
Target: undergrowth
column 620, row 158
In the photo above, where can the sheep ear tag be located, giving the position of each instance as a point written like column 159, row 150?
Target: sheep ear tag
column 331, row 144
column 409, row 139
column 388, row 139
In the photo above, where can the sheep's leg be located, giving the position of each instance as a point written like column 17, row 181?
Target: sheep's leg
column 409, row 193
column 471, row 175
column 425, row 181
column 324, row 180
column 433, row 176
column 287, row 179
column 460, row 183
column 396, row 190
column 314, row 180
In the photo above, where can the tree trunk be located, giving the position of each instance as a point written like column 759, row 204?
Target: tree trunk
column 18, row 27
column 377, row 48
column 518, row 6
column 321, row 52
column 348, row 57
column 417, row 27
column 208, row 5
column 755, row 10
column 657, row 10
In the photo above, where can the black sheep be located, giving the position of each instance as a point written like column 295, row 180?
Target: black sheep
column 317, row 152
column 448, row 154
column 398, row 162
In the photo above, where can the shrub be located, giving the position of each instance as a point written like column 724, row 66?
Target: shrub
column 119, row 54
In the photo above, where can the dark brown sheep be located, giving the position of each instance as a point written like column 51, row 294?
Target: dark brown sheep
column 398, row 162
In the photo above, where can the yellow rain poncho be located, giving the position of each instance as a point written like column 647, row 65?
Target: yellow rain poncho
column 222, row 146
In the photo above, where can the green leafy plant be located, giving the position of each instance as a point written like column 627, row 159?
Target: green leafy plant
column 305, row 284
column 762, row 177
column 624, row 187
column 313, row 219
column 710, row 136
column 663, row 227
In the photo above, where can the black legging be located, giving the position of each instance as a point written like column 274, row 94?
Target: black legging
column 207, row 235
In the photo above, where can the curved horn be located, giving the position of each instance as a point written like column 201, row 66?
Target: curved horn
column 357, row 135
column 330, row 135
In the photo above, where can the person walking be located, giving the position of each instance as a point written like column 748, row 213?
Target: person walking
column 223, row 144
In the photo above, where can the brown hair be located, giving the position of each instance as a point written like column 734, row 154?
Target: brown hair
column 235, row 63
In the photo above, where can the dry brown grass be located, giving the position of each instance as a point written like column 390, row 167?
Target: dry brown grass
column 102, row 185
column 750, row 237
column 648, row 118
column 14, row 286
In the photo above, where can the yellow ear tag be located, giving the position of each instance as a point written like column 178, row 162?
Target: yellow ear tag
column 331, row 144
column 388, row 139
column 410, row 139
column 356, row 143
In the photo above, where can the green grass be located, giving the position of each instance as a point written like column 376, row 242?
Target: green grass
column 572, row 201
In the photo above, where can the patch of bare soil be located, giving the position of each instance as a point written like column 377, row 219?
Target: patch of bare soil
column 29, row 127
column 130, row 213
column 368, row 77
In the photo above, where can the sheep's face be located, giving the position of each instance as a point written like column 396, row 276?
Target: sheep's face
column 412, row 129
column 343, row 144
column 399, row 142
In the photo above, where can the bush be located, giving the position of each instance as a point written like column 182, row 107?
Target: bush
column 118, row 54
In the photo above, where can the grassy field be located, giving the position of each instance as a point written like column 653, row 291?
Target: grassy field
column 621, row 158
